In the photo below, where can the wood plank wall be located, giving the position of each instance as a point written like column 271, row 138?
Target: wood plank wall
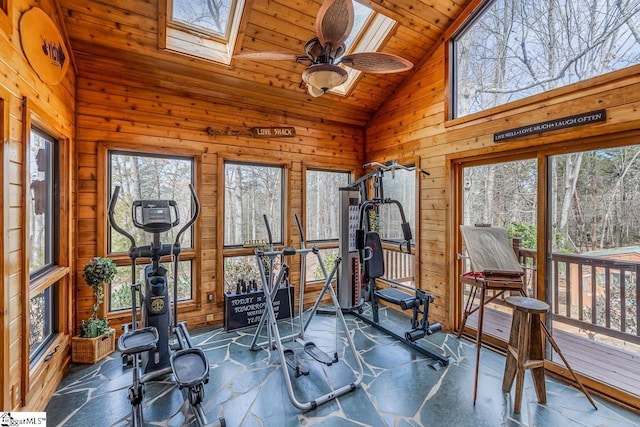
column 25, row 99
column 118, row 108
column 412, row 124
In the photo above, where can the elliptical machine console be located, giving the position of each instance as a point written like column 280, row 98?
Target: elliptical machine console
column 150, row 348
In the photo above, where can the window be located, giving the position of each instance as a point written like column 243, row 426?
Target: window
column 204, row 16
column 322, row 217
column 204, row 28
column 398, row 185
column 251, row 191
column 149, row 177
column 322, row 200
column 42, row 321
column 512, row 50
column 43, row 236
column 370, row 30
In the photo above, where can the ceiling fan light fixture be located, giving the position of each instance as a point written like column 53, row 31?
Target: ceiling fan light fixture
column 314, row 91
column 324, row 77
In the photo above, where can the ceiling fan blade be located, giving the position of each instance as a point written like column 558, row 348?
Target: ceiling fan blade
column 334, row 22
column 267, row 56
column 376, row 62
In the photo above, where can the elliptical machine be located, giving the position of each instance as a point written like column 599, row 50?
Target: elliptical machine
column 149, row 347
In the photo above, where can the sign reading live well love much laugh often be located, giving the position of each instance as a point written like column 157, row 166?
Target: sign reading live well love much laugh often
column 43, row 46
column 565, row 122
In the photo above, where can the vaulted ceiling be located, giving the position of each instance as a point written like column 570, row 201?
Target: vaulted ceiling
column 120, row 39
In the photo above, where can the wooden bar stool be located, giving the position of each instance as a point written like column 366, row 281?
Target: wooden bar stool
column 525, row 350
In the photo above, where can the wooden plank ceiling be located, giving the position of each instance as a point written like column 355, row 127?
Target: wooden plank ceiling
column 119, row 39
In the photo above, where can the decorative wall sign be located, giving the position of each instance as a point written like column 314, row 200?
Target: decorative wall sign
column 43, row 46
column 245, row 309
column 228, row 132
column 273, row 132
column 565, row 122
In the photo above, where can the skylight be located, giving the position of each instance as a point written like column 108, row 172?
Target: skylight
column 370, row 30
column 209, row 17
column 361, row 15
column 204, row 28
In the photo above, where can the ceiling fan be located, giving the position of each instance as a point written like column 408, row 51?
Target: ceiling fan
column 325, row 52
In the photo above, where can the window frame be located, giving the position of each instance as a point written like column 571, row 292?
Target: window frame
column 239, row 250
column 33, row 370
column 52, row 207
column 201, row 31
column 322, row 244
column 197, row 42
column 468, row 15
column 391, row 245
column 5, row 394
column 283, row 196
column 306, row 170
column 121, row 259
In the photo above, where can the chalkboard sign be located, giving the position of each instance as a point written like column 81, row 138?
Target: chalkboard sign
column 245, row 309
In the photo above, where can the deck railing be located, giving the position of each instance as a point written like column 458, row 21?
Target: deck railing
column 399, row 266
column 595, row 294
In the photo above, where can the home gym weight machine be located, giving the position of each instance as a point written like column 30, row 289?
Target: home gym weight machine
column 153, row 354
column 363, row 261
column 298, row 346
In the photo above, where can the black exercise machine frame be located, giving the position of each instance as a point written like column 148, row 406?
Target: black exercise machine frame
column 420, row 326
column 140, row 344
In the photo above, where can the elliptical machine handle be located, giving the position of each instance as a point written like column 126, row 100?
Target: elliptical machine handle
column 112, row 221
column 196, row 212
column 302, row 239
column 266, row 223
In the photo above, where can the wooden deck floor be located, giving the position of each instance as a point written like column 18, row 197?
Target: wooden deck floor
column 602, row 362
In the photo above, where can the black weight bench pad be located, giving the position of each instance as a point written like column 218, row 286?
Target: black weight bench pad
column 394, row 296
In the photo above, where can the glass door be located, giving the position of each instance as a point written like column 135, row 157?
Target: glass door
column 502, row 194
column 593, row 262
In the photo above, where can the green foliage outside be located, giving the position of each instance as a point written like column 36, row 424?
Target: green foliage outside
column 525, row 231
column 328, row 261
column 121, row 285
column 239, row 268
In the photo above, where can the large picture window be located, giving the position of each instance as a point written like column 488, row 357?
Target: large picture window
column 43, row 236
column 401, row 186
column 515, row 49
column 149, row 177
column 251, row 191
column 322, row 200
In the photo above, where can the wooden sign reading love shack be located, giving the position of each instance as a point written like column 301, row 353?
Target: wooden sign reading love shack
column 43, row 46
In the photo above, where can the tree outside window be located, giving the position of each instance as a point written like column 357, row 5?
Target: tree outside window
column 517, row 48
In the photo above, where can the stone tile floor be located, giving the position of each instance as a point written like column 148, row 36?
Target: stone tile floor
column 399, row 387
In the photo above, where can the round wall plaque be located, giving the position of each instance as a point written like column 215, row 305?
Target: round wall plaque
column 43, row 46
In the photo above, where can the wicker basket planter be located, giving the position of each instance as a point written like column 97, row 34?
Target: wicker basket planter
column 92, row 350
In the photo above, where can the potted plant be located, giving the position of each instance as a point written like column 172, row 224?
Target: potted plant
column 96, row 339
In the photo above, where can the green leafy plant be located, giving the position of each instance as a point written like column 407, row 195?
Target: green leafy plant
column 97, row 272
